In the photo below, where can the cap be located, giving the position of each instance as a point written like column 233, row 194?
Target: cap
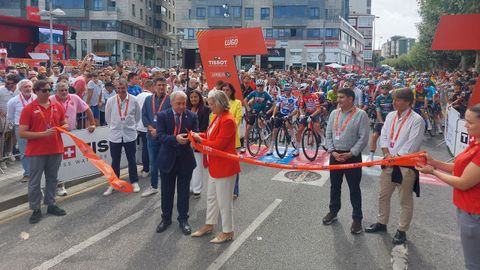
column 42, row 69
column 260, row 82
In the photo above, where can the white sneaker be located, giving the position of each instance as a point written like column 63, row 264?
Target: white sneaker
column 108, row 192
column 145, row 174
column 136, row 187
column 270, row 151
column 3, row 165
column 61, row 191
column 11, row 158
column 149, row 191
column 295, row 153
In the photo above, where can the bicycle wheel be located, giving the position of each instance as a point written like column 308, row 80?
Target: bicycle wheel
column 282, row 141
column 253, row 141
column 309, row 144
column 432, row 132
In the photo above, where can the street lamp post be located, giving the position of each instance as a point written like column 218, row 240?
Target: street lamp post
column 50, row 13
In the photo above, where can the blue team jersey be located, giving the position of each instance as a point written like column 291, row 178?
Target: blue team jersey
column 287, row 105
column 384, row 104
column 260, row 100
column 430, row 91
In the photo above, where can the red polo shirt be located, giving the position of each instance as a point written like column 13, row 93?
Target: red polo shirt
column 468, row 200
column 38, row 118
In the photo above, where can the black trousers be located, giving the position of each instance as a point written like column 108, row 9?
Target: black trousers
column 353, row 176
column 181, row 178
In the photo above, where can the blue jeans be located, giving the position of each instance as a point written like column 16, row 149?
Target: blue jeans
column 236, row 191
column 116, row 153
column 22, row 144
column 153, row 148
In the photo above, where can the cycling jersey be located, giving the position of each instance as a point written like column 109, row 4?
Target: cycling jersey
column 310, row 103
column 384, row 105
column 287, row 104
column 260, row 100
column 419, row 99
column 430, row 91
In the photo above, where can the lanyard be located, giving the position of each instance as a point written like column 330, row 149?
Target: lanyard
column 177, row 130
column 154, row 109
column 49, row 123
column 392, row 132
column 120, row 108
column 24, row 102
column 337, row 132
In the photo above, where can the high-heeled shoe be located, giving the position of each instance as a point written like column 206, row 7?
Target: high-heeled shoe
column 222, row 238
column 205, row 229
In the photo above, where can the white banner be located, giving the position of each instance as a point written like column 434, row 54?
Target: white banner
column 451, row 128
column 75, row 165
column 462, row 139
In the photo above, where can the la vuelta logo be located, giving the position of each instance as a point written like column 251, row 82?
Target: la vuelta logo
column 231, row 42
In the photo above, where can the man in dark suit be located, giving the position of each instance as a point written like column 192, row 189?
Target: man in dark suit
column 175, row 160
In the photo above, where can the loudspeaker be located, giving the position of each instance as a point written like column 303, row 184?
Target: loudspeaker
column 189, row 58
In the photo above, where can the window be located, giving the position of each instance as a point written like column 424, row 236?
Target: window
column 190, row 33
column 265, row 13
column 236, row 12
column 313, row 33
column 269, row 33
column 163, row 11
column 201, row 13
column 314, row 13
column 215, row 11
column 62, row 4
column 248, row 13
column 133, row 10
column 34, row 3
column 97, row 4
column 141, row 14
column 289, row 11
column 332, row 33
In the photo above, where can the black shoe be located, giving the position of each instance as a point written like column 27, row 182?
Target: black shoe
column 196, row 195
column 356, row 227
column 329, row 219
column 376, row 227
column 400, row 238
column 36, row 216
column 186, row 228
column 56, row 211
column 163, row 226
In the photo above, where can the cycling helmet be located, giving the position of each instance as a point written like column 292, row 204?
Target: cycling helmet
column 419, row 86
column 386, row 84
column 260, row 82
column 287, row 87
column 21, row 65
column 303, row 86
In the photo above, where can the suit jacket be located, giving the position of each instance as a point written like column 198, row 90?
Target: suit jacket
column 169, row 149
column 222, row 137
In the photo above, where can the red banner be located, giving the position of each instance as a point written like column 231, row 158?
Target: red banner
column 218, row 48
column 407, row 160
column 106, row 169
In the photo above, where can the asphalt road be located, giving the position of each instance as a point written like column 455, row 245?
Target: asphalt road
column 278, row 226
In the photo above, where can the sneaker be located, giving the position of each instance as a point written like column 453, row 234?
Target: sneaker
column 270, row 151
column 149, row 191
column 108, row 192
column 329, row 219
column 3, row 165
column 295, row 153
column 36, row 216
column 136, row 187
column 356, row 227
column 376, row 227
column 25, row 179
column 145, row 174
column 61, row 191
column 55, row 210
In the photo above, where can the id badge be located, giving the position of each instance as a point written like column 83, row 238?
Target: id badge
column 155, row 118
column 337, row 137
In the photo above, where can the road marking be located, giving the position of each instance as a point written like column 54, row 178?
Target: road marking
column 92, row 240
column 227, row 253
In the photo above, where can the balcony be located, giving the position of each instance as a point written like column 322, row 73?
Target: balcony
column 224, row 22
column 290, row 22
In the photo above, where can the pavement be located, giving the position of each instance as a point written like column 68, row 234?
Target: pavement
column 277, row 226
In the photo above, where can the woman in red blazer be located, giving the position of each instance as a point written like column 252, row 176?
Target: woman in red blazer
column 220, row 135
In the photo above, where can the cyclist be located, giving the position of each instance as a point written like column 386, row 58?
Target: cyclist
column 286, row 107
column 421, row 103
column 309, row 106
column 256, row 102
column 383, row 105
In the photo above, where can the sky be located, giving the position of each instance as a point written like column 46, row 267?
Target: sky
column 397, row 17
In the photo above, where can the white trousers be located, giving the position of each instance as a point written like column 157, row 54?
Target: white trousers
column 199, row 173
column 220, row 200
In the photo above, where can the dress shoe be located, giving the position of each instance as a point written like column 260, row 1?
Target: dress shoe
column 186, row 228
column 206, row 229
column 399, row 238
column 329, row 219
column 163, row 226
column 356, row 227
column 55, row 210
column 222, row 238
column 376, row 227
column 36, row 216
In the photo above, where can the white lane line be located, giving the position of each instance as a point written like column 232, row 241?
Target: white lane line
column 227, row 253
column 92, row 240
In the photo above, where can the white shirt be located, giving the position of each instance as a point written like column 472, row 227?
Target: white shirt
column 410, row 137
column 5, row 96
column 141, row 99
column 15, row 107
column 105, row 96
column 126, row 129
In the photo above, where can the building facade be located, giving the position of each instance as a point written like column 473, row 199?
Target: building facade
column 396, row 46
column 294, row 30
column 117, row 29
column 361, row 18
